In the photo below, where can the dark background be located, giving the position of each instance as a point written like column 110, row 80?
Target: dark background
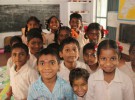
column 14, row 17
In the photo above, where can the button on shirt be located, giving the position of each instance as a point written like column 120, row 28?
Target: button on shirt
column 120, row 88
column 62, row 91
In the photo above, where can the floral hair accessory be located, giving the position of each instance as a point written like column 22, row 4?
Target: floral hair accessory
column 85, row 29
column 104, row 31
column 74, row 33
column 120, row 47
column 96, row 46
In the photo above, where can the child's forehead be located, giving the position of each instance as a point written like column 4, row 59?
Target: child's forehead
column 17, row 50
column 74, row 18
column 80, row 79
column 35, row 39
column 47, row 57
column 71, row 44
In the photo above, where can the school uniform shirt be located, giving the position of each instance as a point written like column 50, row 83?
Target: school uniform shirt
column 89, row 69
column 127, row 69
column 120, row 88
column 9, row 64
column 79, row 98
column 21, row 80
column 64, row 71
column 61, row 91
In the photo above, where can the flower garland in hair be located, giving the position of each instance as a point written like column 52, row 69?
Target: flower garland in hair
column 105, row 32
column 120, row 47
column 74, row 34
column 85, row 29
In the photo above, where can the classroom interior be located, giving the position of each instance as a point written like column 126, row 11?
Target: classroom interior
column 109, row 13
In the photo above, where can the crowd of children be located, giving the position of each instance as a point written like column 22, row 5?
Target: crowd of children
column 68, row 63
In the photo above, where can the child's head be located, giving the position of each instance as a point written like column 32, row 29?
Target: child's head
column 108, row 55
column 19, row 54
column 89, row 54
column 53, row 24
column 35, row 40
column 32, row 22
column 69, row 50
column 75, row 21
column 132, row 54
column 93, row 32
column 14, row 40
column 54, row 46
column 48, row 63
column 63, row 33
column 78, row 78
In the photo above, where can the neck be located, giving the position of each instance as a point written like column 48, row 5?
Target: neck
column 93, row 67
column 70, row 66
column 17, row 68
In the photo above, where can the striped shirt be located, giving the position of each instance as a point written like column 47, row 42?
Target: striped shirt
column 62, row 91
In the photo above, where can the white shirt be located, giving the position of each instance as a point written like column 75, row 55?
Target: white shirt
column 64, row 71
column 90, row 70
column 127, row 69
column 21, row 80
column 120, row 88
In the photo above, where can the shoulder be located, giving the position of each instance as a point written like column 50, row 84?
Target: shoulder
column 81, row 64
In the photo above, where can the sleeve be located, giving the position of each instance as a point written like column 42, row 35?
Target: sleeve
column 33, row 75
column 128, row 90
column 69, row 94
column 30, row 93
column 90, row 92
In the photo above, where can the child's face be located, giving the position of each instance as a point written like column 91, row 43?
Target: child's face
column 19, row 56
column 70, row 53
column 54, row 24
column 32, row 24
column 94, row 36
column 108, row 60
column 89, row 57
column 80, row 87
column 75, row 24
column 35, row 45
column 62, row 35
column 48, row 66
column 132, row 56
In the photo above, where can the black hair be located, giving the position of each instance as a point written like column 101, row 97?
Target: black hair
column 106, row 44
column 131, row 46
column 34, row 33
column 92, row 26
column 54, row 46
column 67, row 29
column 68, row 41
column 15, row 39
column 77, row 73
column 22, row 46
column 47, row 51
column 76, row 15
column 33, row 18
column 89, row 46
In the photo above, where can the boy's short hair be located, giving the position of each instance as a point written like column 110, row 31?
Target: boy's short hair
column 78, row 73
column 22, row 46
column 76, row 15
column 89, row 46
column 131, row 46
column 47, row 51
column 34, row 33
column 68, row 41
column 15, row 39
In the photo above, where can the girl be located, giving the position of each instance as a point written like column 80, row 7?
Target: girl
column 32, row 22
column 52, row 25
column 109, row 83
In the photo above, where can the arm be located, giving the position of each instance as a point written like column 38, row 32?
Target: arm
column 9, row 93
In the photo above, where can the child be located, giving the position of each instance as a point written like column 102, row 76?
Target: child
column 35, row 44
column 14, row 40
column 93, row 33
column 32, row 22
column 90, row 57
column 69, row 51
column 21, row 74
column 52, row 24
column 63, row 33
column 129, row 67
column 49, row 86
column 76, row 25
column 109, row 83
column 79, row 81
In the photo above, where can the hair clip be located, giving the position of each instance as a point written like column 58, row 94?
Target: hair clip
column 74, row 33
column 120, row 47
column 96, row 46
column 85, row 29
column 106, row 32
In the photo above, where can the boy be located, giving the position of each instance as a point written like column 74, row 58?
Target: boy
column 69, row 52
column 49, row 86
column 90, row 58
column 79, row 81
column 21, row 74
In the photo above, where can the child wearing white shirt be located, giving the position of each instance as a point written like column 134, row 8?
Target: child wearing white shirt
column 109, row 83
column 69, row 51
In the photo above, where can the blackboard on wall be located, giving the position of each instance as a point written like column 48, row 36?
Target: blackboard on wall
column 14, row 17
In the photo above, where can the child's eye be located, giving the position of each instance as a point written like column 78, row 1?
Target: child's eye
column 41, row 63
column 113, row 58
column 52, row 62
column 103, row 59
column 14, row 55
column 74, row 49
column 67, row 50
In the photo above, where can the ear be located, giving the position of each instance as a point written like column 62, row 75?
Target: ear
column 60, row 54
column 28, row 57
